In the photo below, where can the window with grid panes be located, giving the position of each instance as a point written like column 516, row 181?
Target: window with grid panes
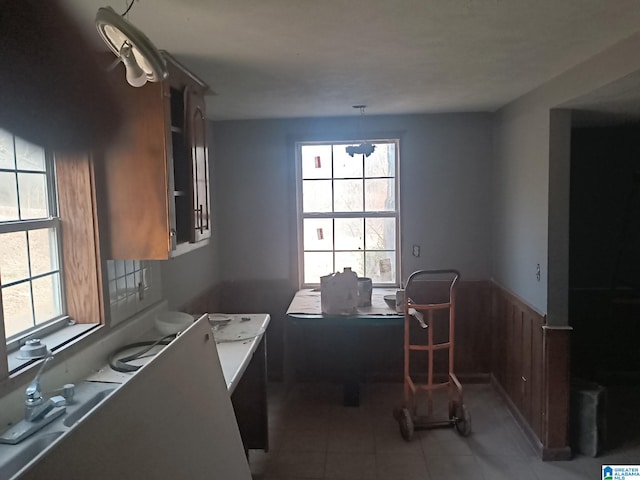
column 30, row 276
column 348, row 213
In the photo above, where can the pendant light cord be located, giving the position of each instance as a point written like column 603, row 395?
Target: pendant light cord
column 128, row 8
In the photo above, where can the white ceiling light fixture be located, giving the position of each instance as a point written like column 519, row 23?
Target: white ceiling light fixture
column 142, row 60
column 365, row 148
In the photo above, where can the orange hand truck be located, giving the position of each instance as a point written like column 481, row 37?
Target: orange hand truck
column 434, row 291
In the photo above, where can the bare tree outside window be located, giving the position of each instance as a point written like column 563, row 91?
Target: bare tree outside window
column 30, row 277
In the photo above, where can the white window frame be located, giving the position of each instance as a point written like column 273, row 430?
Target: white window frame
column 301, row 216
column 45, row 330
column 52, row 221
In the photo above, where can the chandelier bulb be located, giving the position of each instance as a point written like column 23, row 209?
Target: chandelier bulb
column 136, row 77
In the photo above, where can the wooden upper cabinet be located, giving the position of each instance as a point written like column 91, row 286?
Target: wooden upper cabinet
column 156, row 175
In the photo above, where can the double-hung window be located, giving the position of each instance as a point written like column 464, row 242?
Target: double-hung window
column 348, row 213
column 30, row 276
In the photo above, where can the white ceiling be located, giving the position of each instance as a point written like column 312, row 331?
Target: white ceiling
column 303, row 58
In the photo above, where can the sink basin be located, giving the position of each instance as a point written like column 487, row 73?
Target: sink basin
column 24, row 454
column 86, row 406
column 16, row 455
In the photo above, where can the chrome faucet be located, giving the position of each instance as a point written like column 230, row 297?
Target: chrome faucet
column 35, row 406
column 38, row 412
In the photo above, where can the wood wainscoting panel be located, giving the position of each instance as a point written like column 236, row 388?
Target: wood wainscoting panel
column 536, row 379
column 530, row 367
column 498, row 336
column 528, row 324
column 557, row 383
column 516, row 355
column 473, row 329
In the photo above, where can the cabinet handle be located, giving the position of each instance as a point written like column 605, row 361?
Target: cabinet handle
column 172, row 238
column 199, row 222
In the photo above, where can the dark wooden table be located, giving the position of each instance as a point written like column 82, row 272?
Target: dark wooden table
column 305, row 312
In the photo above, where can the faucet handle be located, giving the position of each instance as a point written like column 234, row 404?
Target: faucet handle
column 68, row 392
column 58, row 401
column 33, row 391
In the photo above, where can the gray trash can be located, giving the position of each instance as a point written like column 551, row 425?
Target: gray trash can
column 588, row 417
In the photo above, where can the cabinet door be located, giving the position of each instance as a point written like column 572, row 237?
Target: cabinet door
column 133, row 183
column 197, row 131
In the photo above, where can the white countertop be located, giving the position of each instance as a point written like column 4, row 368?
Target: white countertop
column 234, row 355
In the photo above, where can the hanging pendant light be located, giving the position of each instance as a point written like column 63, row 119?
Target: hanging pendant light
column 365, row 148
column 142, row 60
column 136, row 77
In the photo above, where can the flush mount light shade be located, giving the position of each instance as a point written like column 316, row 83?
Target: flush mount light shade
column 141, row 58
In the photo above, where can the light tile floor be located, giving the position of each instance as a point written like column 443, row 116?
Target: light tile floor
column 313, row 436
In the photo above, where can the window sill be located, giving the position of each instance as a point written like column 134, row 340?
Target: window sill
column 56, row 340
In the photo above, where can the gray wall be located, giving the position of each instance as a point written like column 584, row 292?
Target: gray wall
column 528, row 194
column 454, row 184
column 187, row 276
column 445, row 175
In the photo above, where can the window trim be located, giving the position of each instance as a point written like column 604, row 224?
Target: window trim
column 81, row 266
column 300, row 215
column 52, row 221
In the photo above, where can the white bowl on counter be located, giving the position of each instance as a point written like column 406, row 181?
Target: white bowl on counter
column 170, row 323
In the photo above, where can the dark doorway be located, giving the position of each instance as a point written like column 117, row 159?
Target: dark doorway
column 604, row 269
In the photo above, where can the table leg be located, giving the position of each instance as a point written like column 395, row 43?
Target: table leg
column 291, row 339
column 350, row 353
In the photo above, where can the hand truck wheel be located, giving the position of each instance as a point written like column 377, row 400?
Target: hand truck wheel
column 462, row 421
column 406, row 424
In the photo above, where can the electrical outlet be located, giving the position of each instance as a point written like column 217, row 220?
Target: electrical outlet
column 538, row 272
column 416, row 250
